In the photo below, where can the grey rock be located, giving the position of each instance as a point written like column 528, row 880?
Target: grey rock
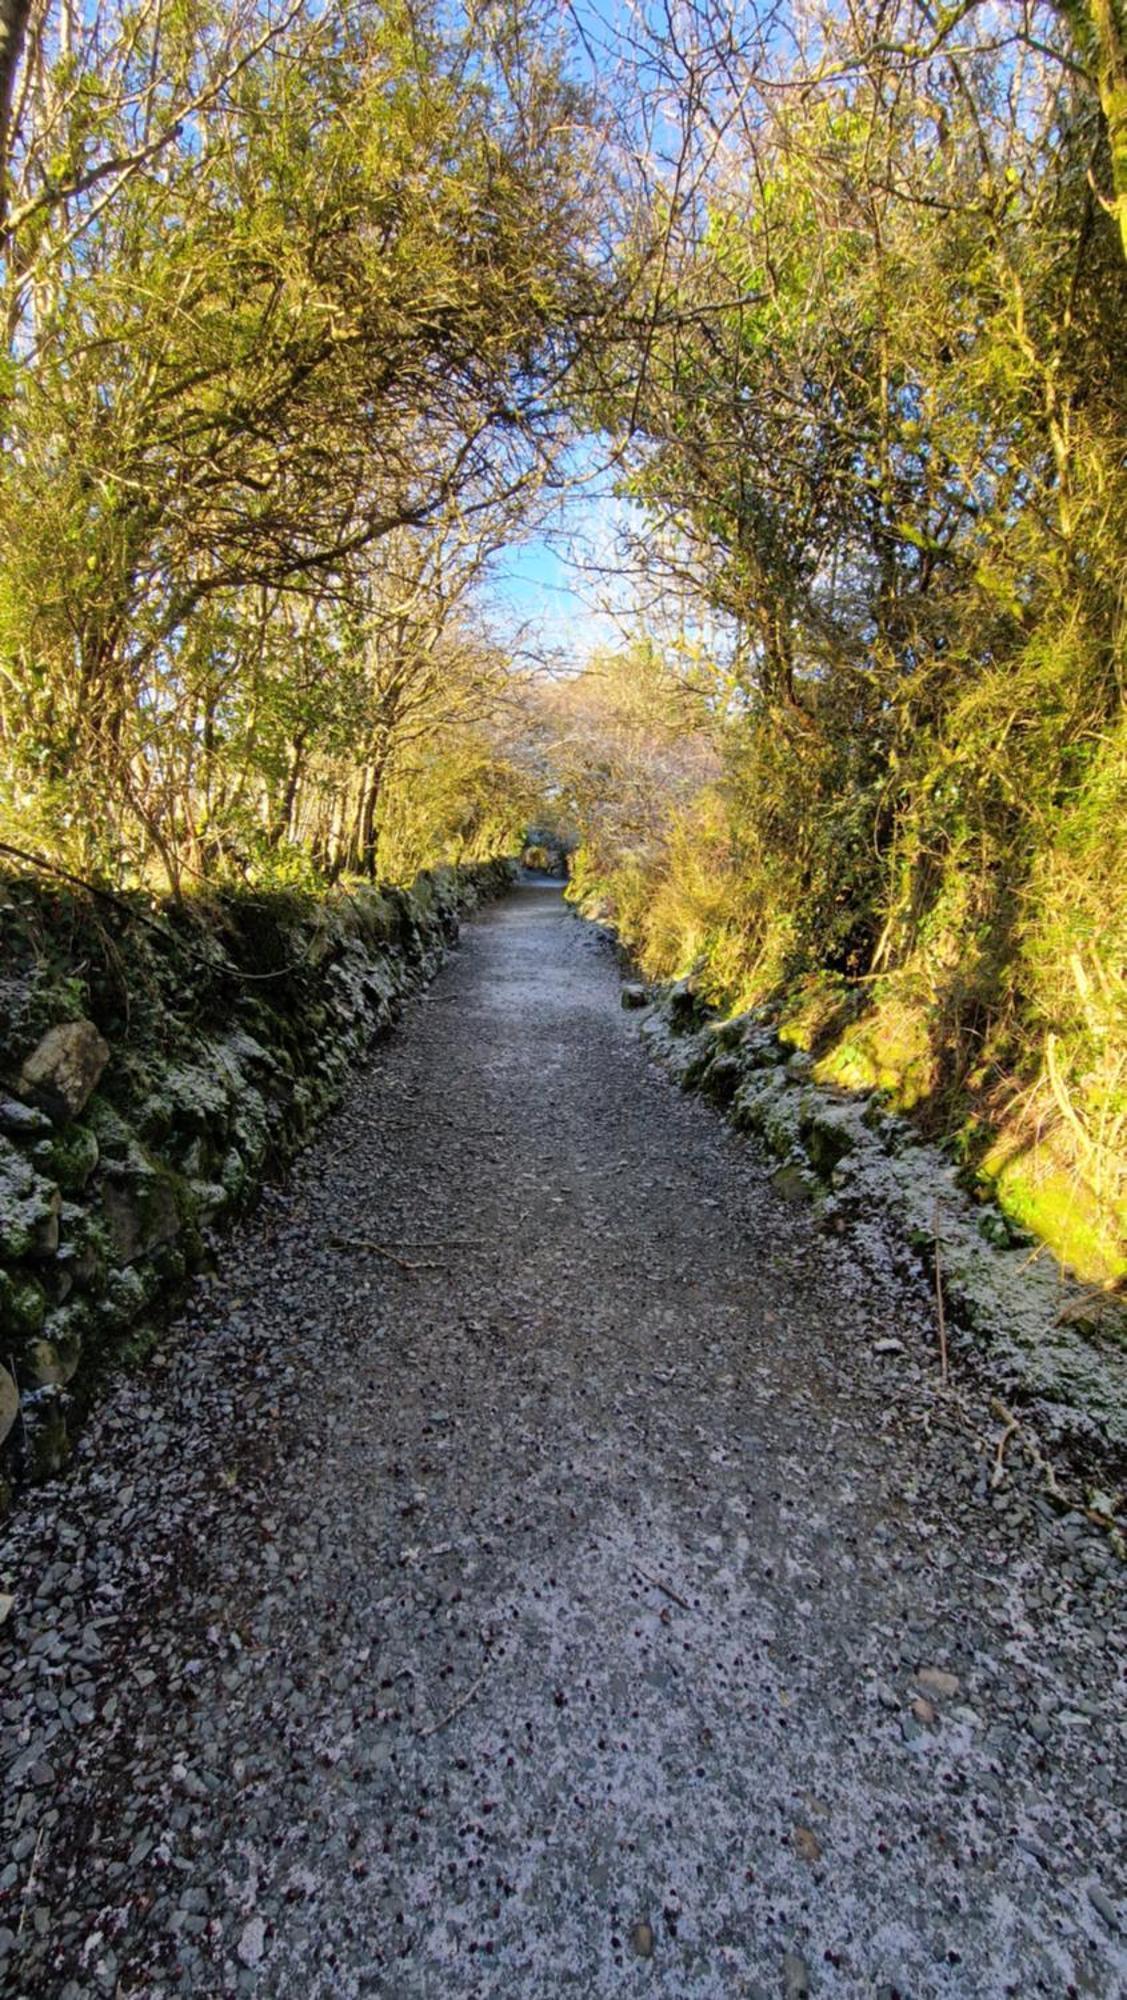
column 1101, row 1902
column 796, row 1977
column 9, row 1402
column 63, row 1070
column 51, row 1362
column 938, row 1682
column 252, row 1942
column 140, row 1210
column 22, row 1121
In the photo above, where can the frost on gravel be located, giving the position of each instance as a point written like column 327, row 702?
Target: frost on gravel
column 867, row 1171
column 612, row 1602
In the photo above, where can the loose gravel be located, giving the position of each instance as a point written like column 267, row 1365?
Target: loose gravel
column 588, row 1590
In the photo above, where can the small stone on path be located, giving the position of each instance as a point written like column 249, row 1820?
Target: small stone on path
column 796, row 1977
column 642, row 1939
column 252, row 1942
column 935, row 1680
column 1102, row 1903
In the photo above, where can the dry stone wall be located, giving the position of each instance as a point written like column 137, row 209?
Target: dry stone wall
column 153, row 1069
column 1056, row 1348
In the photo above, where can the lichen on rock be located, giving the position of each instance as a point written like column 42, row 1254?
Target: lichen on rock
column 29, row 1206
column 64, row 1068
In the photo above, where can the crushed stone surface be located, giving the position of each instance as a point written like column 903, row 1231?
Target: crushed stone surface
column 610, row 1603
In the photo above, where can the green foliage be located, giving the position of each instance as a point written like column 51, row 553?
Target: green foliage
column 455, row 801
column 879, row 433
column 299, row 308
column 290, row 299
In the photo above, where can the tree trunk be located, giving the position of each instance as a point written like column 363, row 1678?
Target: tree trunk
column 367, row 829
column 14, row 17
column 1108, row 21
column 282, row 823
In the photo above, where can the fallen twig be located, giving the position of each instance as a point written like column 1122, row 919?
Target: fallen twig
column 1041, row 1463
column 431, row 1243
column 998, row 1473
column 939, row 1301
column 1052, row 1486
column 381, row 1250
column 665, row 1587
column 463, row 1701
column 32, row 1878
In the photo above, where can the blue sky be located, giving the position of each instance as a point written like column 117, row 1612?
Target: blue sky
column 549, row 585
column 537, row 587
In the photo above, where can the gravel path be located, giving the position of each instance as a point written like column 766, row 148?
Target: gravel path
column 609, row 1604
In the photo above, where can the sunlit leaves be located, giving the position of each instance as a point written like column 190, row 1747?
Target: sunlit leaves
column 283, row 282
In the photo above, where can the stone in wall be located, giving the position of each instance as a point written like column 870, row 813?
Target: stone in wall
column 62, row 1071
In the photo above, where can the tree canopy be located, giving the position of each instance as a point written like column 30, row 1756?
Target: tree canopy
column 305, row 309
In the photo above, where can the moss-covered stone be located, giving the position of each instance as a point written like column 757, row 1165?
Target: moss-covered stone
column 29, row 1207
column 115, row 1136
column 44, row 1442
column 793, row 1184
column 83, row 1251
column 721, row 1078
column 829, row 1129
column 54, row 1357
column 143, row 1205
column 234, row 1175
column 69, row 1157
column 193, row 1099
column 683, row 1007
column 250, row 1128
column 889, row 1049
column 167, row 1267
column 211, row 1199
column 732, row 1031
column 23, row 1305
column 122, row 1299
